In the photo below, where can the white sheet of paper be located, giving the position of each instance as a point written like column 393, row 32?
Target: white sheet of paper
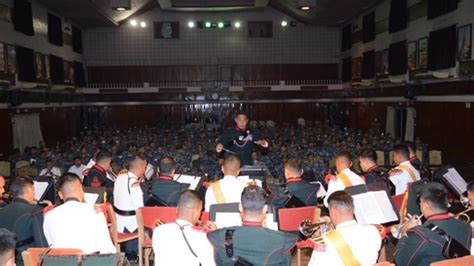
column 193, row 181
column 271, row 224
column 40, row 189
column 226, row 219
column 374, row 208
column 321, row 191
column 91, row 198
column 247, row 180
column 456, row 180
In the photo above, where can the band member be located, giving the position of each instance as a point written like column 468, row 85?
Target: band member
column 374, row 173
column 296, row 186
column 7, row 247
column 97, row 175
column 241, row 140
column 165, row 188
column 404, row 173
column 468, row 214
column 423, row 244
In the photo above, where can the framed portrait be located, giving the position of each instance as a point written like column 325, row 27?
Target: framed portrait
column 39, row 65
column 11, row 59
column 412, row 53
column 47, row 67
column 423, row 52
column 3, row 61
column 464, row 42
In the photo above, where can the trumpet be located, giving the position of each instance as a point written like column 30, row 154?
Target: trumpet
column 397, row 230
column 307, row 228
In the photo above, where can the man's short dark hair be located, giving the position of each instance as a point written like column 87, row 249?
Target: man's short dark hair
column 67, row 179
column 7, row 244
column 294, row 164
column 136, row 160
column 402, row 150
column 103, row 156
column 167, row 166
column 189, row 200
column 410, row 145
column 436, row 194
column 341, row 200
column 470, row 186
column 253, row 199
column 77, row 158
column 369, row 154
column 240, row 113
column 20, row 184
column 344, row 154
column 232, row 163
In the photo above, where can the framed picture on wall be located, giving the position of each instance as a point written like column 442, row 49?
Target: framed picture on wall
column 11, row 59
column 464, row 42
column 412, row 53
column 46, row 67
column 3, row 62
column 39, row 65
column 423, row 52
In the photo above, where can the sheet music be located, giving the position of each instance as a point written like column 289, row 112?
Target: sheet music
column 456, row 181
column 374, row 208
column 247, row 180
column 40, row 189
column 193, row 181
column 321, row 191
column 91, row 198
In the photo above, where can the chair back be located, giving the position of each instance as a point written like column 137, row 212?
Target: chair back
column 32, row 256
column 103, row 260
column 289, row 219
column 5, row 168
column 380, row 157
column 147, row 217
column 464, row 261
column 390, row 157
column 399, row 201
column 419, row 155
column 112, row 220
column 435, row 158
column 22, row 163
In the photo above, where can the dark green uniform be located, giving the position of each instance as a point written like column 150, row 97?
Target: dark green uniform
column 241, row 142
column 26, row 221
column 422, row 246
column 168, row 190
column 377, row 174
column 254, row 244
column 303, row 190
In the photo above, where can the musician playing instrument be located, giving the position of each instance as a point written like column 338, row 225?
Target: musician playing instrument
column 468, row 214
column 350, row 243
column 97, row 176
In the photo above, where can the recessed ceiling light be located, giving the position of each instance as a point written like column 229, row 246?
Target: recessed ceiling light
column 220, row 25
column 207, row 24
column 191, row 24
column 284, row 23
column 305, row 8
column 120, row 9
column 133, row 23
column 237, row 24
column 143, row 24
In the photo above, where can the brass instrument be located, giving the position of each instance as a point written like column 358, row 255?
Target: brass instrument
column 307, row 228
column 397, row 230
column 467, row 215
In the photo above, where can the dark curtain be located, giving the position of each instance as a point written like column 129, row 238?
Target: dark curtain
column 368, row 28
column 346, row 43
column 55, row 30
column 347, row 69
column 398, row 19
column 23, row 17
column 76, row 40
column 368, row 65
column 56, row 69
column 442, row 48
column 397, row 58
column 79, row 75
column 25, row 59
column 438, row 8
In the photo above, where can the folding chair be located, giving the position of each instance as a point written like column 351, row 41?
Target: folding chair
column 117, row 238
column 435, row 159
column 380, row 157
column 32, row 256
column 146, row 219
column 464, row 261
column 5, row 168
column 22, row 163
column 103, row 260
column 204, row 217
column 289, row 220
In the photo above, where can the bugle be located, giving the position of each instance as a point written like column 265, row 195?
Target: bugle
column 397, row 230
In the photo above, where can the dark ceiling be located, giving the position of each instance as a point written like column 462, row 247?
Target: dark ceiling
column 96, row 13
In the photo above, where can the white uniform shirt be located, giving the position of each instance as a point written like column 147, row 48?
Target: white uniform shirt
column 77, row 225
column 401, row 180
column 171, row 249
column 231, row 189
column 55, row 172
column 363, row 240
column 127, row 197
column 77, row 170
column 337, row 185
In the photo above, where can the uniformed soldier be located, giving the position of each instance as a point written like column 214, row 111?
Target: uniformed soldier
column 373, row 172
column 404, row 173
column 76, row 224
column 252, row 242
column 423, row 244
column 165, row 189
column 229, row 188
column 97, row 175
column 183, row 242
column 296, row 186
column 345, row 177
column 23, row 217
column 7, row 247
column 350, row 243
column 241, row 140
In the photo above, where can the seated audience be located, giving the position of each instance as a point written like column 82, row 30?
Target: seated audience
column 7, row 248
column 404, row 173
column 297, row 187
column 350, row 243
column 229, row 188
column 76, row 224
column 23, row 217
column 252, row 242
column 77, row 168
column 165, row 188
column 50, row 170
column 345, row 177
column 181, row 242
column 423, row 244
column 373, row 172
column 97, row 175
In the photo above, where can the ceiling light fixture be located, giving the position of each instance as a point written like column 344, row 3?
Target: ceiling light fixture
column 207, row 24
column 133, row 23
column 305, row 8
column 220, row 25
column 237, row 24
column 143, row 24
column 120, row 9
column 191, row 24
column 284, row 23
